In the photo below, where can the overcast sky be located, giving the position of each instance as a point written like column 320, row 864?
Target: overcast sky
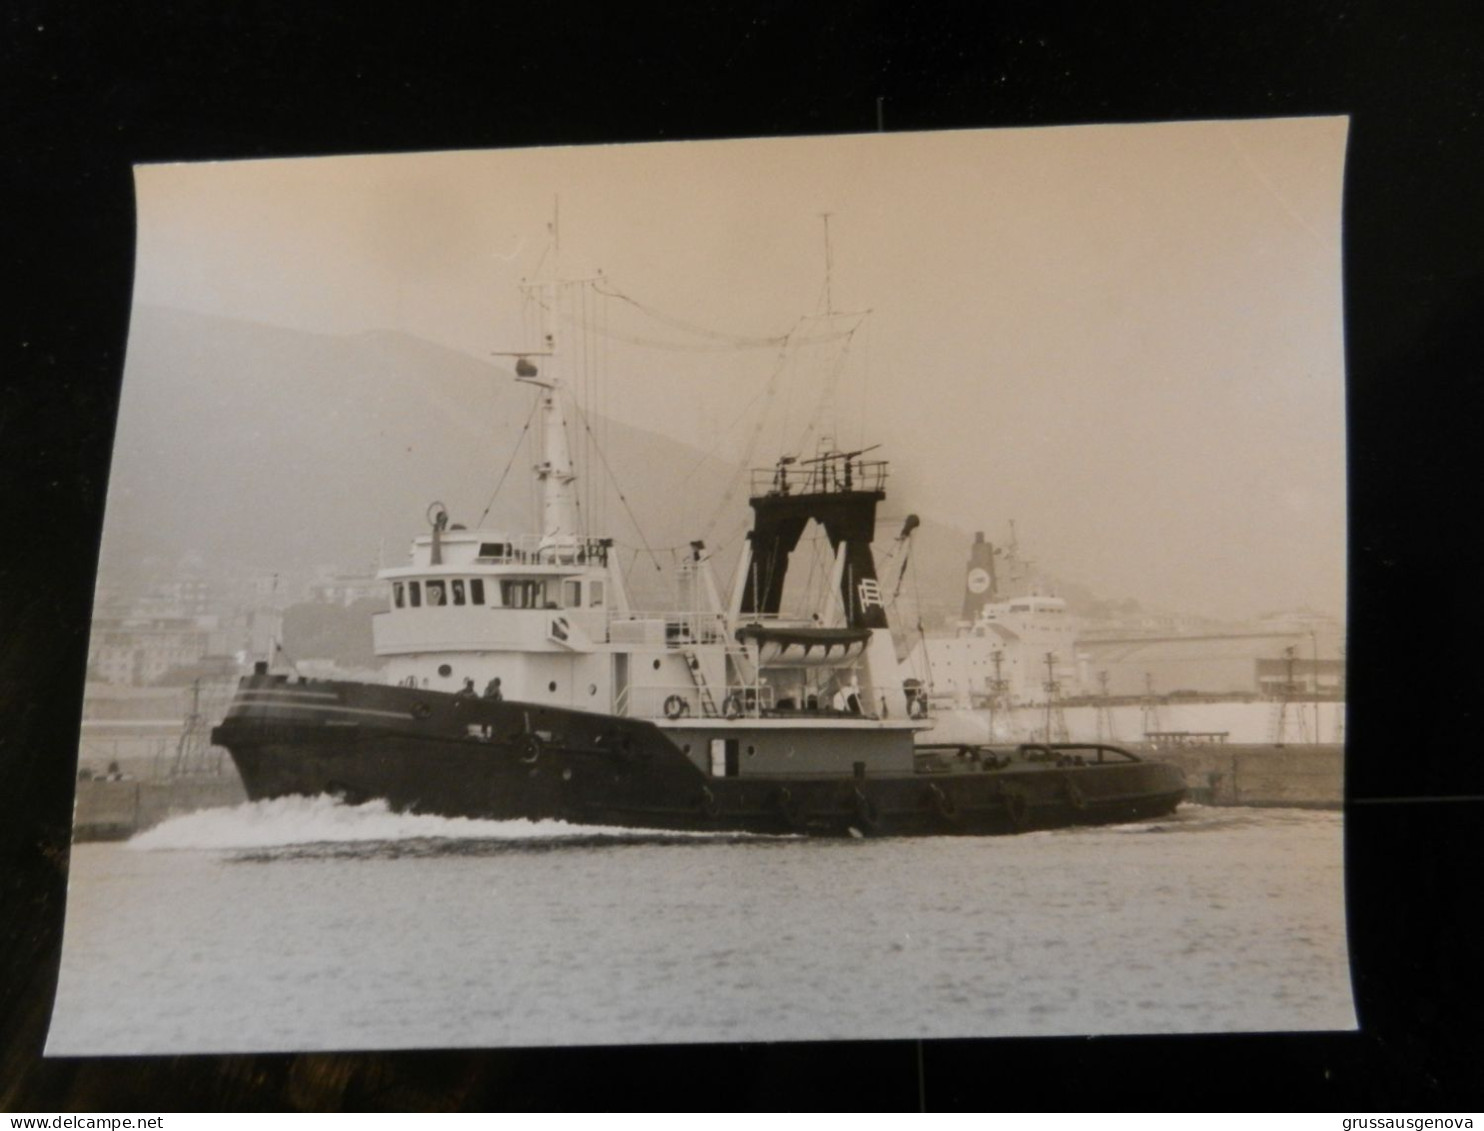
column 1126, row 338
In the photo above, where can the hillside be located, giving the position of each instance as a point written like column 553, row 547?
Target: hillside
column 251, row 449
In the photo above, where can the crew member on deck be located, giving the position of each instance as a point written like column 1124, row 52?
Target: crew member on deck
column 492, row 690
column 467, row 691
column 847, row 698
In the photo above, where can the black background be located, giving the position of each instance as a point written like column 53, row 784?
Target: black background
column 87, row 90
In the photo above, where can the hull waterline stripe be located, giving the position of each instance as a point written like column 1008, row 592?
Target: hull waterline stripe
column 240, row 710
column 284, row 692
column 703, row 722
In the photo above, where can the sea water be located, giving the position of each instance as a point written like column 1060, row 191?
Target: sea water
column 306, row 924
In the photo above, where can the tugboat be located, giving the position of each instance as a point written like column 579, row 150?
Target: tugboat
column 523, row 684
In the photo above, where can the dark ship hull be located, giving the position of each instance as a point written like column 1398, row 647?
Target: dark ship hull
column 460, row 756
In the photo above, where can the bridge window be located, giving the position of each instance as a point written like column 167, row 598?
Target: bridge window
column 476, row 591
column 399, row 594
column 456, row 587
column 528, row 594
column 414, row 594
column 436, row 593
column 594, row 593
column 572, row 594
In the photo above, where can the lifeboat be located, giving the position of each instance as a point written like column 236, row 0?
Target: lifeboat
column 804, row 646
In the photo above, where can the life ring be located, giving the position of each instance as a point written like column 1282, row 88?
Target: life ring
column 866, row 812
column 731, row 707
column 1018, row 808
column 943, row 804
column 676, row 707
column 529, row 748
column 710, row 807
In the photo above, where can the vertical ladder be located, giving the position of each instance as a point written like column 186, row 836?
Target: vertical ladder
column 698, row 677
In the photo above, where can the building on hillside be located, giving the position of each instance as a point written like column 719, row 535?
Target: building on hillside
column 138, row 649
column 332, row 588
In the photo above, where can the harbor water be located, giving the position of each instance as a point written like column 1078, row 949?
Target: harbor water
column 305, row 924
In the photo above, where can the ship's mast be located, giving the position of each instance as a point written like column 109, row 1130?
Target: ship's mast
column 560, row 526
column 559, row 521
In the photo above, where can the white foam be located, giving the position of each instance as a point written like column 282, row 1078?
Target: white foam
column 326, row 820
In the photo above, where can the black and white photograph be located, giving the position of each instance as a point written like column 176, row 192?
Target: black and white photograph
column 877, row 586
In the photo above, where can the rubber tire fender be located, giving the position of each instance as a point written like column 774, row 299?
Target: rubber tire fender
column 1018, row 808
column 1075, row 795
column 710, row 807
column 943, row 804
column 790, row 807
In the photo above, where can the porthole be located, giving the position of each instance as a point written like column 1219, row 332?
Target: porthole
column 751, row 750
column 551, row 686
column 445, row 671
column 685, row 749
column 592, row 689
column 656, row 665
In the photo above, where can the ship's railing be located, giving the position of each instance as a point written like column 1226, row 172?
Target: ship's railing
column 668, row 628
column 678, row 701
column 827, row 476
column 532, row 549
column 686, row 700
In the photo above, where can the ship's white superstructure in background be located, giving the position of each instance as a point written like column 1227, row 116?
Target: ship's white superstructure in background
column 1021, row 666
column 1002, row 646
column 1012, row 643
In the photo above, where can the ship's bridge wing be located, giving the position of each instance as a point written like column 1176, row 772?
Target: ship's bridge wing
column 490, row 548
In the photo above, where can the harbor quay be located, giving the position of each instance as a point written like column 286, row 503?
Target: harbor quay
column 144, row 791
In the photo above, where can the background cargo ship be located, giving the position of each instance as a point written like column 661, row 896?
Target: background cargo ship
column 1254, row 713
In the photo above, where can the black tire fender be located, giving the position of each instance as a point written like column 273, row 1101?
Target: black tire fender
column 790, row 807
column 1075, row 794
column 943, row 803
column 866, row 811
column 1018, row 808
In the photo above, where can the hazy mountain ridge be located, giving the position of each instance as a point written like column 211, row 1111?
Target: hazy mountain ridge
column 260, row 449
column 265, row 449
